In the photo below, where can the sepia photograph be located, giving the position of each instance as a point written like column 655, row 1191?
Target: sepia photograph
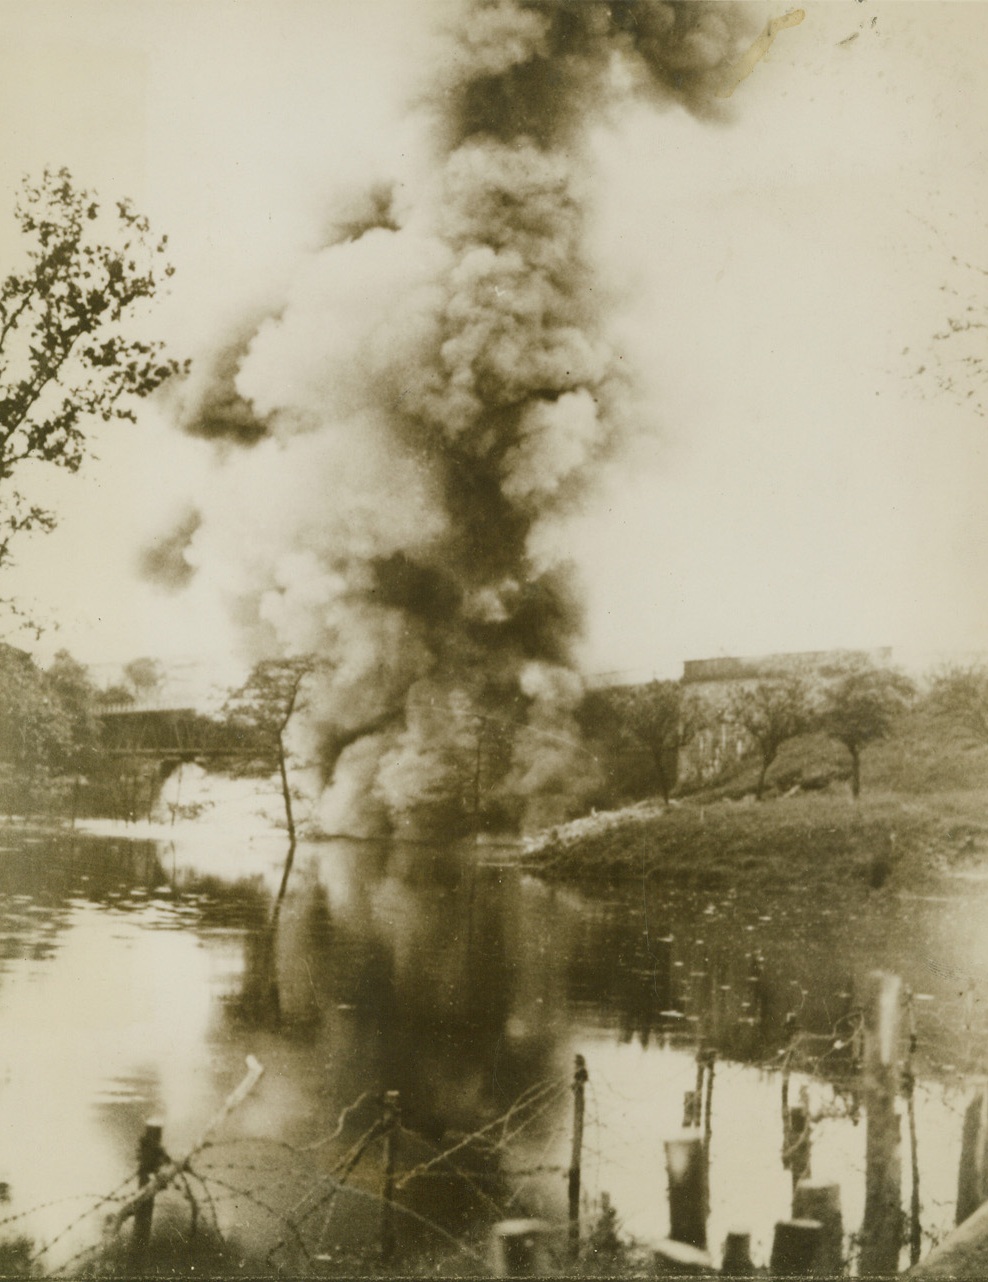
column 493, row 639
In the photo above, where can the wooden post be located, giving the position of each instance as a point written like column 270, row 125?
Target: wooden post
column 580, row 1076
column 909, row 1090
column 796, row 1157
column 737, row 1255
column 786, row 1122
column 390, row 1123
column 796, row 1249
column 150, row 1156
column 814, row 1200
column 520, row 1249
column 710, row 1057
column 881, row 1234
column 174, row 1167
column 972, row 1176
column 686, row 1166
column 756, row 995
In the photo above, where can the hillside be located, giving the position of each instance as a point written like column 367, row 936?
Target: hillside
column 923, row 809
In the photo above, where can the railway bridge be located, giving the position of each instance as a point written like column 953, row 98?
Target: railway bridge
column 166, row 734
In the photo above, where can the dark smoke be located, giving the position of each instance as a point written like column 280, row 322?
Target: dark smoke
column 163, row 561
column 436, row 390
column 210, row 405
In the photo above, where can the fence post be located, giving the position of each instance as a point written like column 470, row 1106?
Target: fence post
column 701, row 1066
column 390, row 1124
column 796, row 1249
column 737, row 1255
column 814, row 1200
column 686, row 1165
column 710, row 1058
column 520, row 1248
column 972, row 1175
column 909, row 1090
column 798, row 1143
column 580, row 1077
column 150, row 1156
column 882, row 1229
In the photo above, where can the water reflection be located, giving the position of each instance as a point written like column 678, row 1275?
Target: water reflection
column 134, row 979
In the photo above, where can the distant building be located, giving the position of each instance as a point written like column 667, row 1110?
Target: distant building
column 713, row 681
column 815, row 665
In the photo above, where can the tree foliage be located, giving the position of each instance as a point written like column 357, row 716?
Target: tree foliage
column 663, row 718
column 860, row 707
column 34, row 727
column 144, row 676
column 65, row 357
column 261, row 711
column 72, row 688
column 961, row 693
column 771, row 712
column 48, row 725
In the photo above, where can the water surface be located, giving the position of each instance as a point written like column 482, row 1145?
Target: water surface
column 135, row 977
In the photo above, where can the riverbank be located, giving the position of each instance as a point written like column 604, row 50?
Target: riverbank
column 810, row 841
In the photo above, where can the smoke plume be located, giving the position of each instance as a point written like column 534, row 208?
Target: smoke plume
column 436, row 389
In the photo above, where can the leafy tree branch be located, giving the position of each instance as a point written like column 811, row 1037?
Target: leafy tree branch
column 65, row 355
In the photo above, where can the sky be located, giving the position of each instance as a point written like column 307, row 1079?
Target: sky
column 771, row 285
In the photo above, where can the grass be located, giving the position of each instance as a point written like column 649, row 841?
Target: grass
column 923, row 809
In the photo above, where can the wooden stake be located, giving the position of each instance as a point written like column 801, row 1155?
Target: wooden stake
column 171, row 1169
column 972, row 1176
column 520, row 1248
column 580, row 1077
column 796, row 1249
column 391, row 1123
column 909, row 1091
column 708, row 1103
column 685, row 1163
column 737, row 1255
column 798, row 1143
column 150, row 1157
column 882, row 1229
column 817, row 1201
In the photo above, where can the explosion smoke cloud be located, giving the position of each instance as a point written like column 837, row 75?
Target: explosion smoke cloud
column 437, row 388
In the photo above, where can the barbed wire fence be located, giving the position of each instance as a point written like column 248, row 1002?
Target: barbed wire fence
column 334, row 1201
column 349, row 1197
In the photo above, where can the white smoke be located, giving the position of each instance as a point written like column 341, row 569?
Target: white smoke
column 435, row 390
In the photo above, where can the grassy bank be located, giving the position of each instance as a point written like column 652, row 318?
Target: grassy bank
column 808, row 841
column 923, row 811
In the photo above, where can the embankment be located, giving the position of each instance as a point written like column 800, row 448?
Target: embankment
column 813, row 842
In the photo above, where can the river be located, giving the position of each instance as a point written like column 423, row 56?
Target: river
column 136, row 976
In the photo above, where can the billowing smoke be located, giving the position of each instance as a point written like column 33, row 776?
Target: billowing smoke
column 163, row 560
column 436, row 389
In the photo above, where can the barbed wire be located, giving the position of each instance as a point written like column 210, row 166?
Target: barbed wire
column 301, row 1198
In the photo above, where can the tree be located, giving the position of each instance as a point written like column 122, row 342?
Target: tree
column 772, row 711
column 260, row 711
column 64, row 355
column 35, row 730
column 68, row 682
column 663, row 719
column 113, row 696
column 860, row 707
column 145, row 677
column 961, row 693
